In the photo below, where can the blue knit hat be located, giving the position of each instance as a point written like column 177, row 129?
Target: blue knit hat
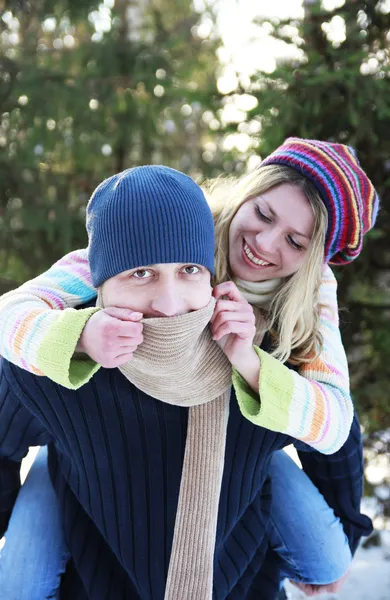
column 148, row 215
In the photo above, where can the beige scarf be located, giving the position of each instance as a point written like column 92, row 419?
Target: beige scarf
column 179, row 363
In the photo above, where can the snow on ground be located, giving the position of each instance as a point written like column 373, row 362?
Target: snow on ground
column 369, row 578
column 370, row 571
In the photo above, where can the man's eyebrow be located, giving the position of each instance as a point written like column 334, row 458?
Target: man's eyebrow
column 143, row 267
column 273, row 213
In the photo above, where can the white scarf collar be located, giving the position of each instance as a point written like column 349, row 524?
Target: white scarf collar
column 258, row 293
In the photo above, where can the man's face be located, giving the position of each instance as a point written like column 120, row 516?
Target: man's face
column 163, row 290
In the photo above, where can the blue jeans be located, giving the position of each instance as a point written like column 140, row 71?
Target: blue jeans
column 304, row 532
column 35, row 554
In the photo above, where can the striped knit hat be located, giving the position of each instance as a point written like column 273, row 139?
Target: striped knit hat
column 148, row 215
column 349, row 196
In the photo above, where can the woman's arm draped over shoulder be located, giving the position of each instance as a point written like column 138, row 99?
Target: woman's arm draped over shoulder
column 39, row 338
column 314, row 404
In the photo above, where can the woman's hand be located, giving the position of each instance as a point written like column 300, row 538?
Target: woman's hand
column 233, row 328
column 233, row 322
column 111, row 336
column 311, row 590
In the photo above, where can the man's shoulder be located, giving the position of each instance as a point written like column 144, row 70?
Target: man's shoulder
column 15, row 375
column 12, row 374
column 14, row 382
column 29, row 389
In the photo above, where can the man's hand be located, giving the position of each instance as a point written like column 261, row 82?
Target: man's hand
column 111, row 336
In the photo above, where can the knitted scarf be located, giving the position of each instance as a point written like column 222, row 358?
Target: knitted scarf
column 179, row 363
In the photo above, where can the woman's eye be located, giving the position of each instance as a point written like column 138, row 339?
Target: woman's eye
column 191, row 270
column 262, row 215
column 142, row 274
column 294, row 244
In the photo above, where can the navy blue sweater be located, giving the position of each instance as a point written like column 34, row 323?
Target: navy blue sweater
column 115, row 459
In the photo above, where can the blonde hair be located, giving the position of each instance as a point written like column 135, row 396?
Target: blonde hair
column 293, row 315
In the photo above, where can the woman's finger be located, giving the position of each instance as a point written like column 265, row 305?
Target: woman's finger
column 125, row 348
column 224, row 317
column 122, row 358
column 243, row 330
column 130, row 340
column 231, row 306
column 123, row 314
column 225, row 305
column 230, row 290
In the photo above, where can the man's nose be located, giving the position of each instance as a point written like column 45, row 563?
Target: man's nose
column 167, row 302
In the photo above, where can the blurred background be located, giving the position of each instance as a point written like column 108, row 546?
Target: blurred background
column 88, row 88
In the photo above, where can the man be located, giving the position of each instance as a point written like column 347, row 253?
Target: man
column 162, row 484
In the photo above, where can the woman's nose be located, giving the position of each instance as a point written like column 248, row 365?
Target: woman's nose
column 267, row 241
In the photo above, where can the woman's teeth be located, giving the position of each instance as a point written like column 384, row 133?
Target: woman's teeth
column 253, row 259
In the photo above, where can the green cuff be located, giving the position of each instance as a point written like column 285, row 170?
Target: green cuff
column 269, row 409
column 56, row 354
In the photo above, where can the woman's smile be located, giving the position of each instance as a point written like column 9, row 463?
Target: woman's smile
column 270, row 234
column 252, row 258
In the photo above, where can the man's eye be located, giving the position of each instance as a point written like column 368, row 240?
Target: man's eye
column 142, row 274
column 191, row 270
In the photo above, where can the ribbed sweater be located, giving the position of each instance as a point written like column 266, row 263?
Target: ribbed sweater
column 312, row 404
column 115, row 459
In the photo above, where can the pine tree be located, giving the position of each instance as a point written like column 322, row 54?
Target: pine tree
column 339, row 91
column 88, row 89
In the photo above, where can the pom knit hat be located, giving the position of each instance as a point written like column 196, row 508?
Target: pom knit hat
column 148, row 215
column 349, row 196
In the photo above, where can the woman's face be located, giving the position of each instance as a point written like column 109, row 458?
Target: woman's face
column 269, row 235
column 163, row 290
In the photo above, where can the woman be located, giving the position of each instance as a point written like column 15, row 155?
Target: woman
column 269, row 258
column 328, row 195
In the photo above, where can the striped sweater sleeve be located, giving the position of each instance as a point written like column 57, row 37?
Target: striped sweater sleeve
column 42, row 340
column 314, row 404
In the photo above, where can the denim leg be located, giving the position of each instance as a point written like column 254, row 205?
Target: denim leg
column 305, row 532
column 35, row 554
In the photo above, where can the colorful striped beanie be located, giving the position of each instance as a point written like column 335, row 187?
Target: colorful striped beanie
column 349, row 196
